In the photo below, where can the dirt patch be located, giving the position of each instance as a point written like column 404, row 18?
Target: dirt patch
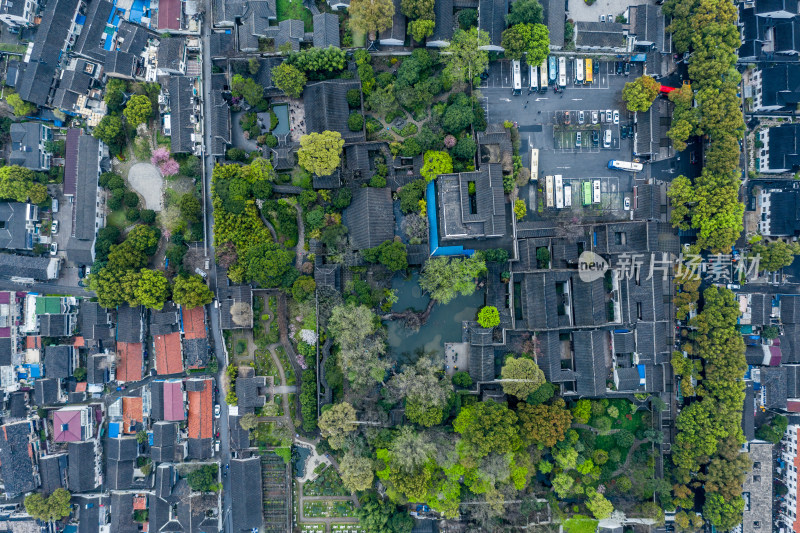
column 194, row 258
column 146, row 180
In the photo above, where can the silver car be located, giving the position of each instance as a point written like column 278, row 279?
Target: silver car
column 581, row 118
column 594, row 117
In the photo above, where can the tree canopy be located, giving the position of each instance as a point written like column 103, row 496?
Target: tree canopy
column 467, row 60
column 17, row 183
column 191, row 291
column 138, row 110
column 54, row 507
column 336, row 423
column 447, row 277
column 525, row 12
column 371, row 15
column 289, row 79
column 436, row 162
column 320, row 152
column 521, row 376
column 640, row 93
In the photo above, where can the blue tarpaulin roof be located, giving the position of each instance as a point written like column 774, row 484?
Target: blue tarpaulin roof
column 109, row 42
column 641, row 58
column 35, row 370
column 80, row 19
column 113, row 430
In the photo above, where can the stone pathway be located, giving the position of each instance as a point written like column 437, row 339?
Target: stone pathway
column 146, row 180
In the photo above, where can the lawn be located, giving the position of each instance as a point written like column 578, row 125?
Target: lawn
column 117, row 219
column 580, row 524
column 294, row 9
column 14, row 48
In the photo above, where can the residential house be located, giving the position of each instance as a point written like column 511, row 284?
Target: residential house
column 96, row 326
column 165, row 330
column 246, row 502
column 92, row 513
column 327, row 108
column 492, row 20
column 395, row 35
column 175, row 507
column 650, row 140
column 120, row 459
column 97, row 369
column 76, row 86
column 240, row 437
column 774, row 87
column 60, row 361
column 220, row 126
column 82, row 171
column 480, row 215
column 84, row 466
column 19, row 446
column 778, row 208
column 757, row 488
column 443, row 30
column 73, row 423
column 165, row 447
column 46, row 392
column 555, row 16
column 647, row 25
column 256, row 29
column 18, row 14
column 39, row 70
column 53, row 472
column 28, row 145
column 235, row 305
column 123, row 505
column 336, row 5
column 326, row 30
column 129, row 344
column 370, row 217
column 167, row 401
column 780, row 149
column 228, row 13
column 251, row 392
column 601, row 36
column 18, row 223
column 770, row 31
column 132, row 414
column 200, row 395
column 195, row 338
column 170, row 15
column 17, row 405
column 171, row 57
column 33, row 268
column 182, row 117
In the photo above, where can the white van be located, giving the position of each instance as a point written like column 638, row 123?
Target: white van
column 55, row 205
column 607, row 139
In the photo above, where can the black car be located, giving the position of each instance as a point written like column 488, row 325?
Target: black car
column 595, row 137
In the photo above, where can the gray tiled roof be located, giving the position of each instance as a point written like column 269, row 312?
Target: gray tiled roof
column 120, row 457
column 181, row 107
column 91, row 512
column 165, row 442
column 85, row 204
column 81, row 466
column 25, row 140
column 54, row 325
column 395, row 34
column 790, row 308
column 250, row 392
column 122, row 513
column 455, row 204
column 240, row 438
column 220, row 117
column 492, row 19
column 327, row 108
column 165, row 320
column 6, row 350
column 53, row 471
column 90, row 41
column 14, row 234
column 170, row 53
column 222, row 45
column 199, row 448
column 773, row 384
column 174, row 507
column 94, row 323
column 25, row 267
column 129, row 324
column 196, row 352
column 58, row 361
column 554, row 18
column 246, row 485
column 326, row 30
column 590, row 364
column 369, row 217
column 443, row 30
column 227, row 297
column 97, row 368
column 45, row 391
column 16, row 463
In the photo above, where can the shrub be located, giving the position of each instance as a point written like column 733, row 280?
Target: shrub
column 271, row 141
column 354, row 98
column 148, row 216
column 132, row 214
column 462, row 379
column 467, row 18
column 131, row 199
column 489, row 317
column 355, row 122
column 377, row 181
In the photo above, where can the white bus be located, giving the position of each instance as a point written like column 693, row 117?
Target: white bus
column 559, row 192
column 625, row 165
column 567, row 196
column 543, row 77
column 534, row 164
column 579, row 71
column 562, row 72
column 516, row 71
column 596, row 192
column 534, row 80
column 548, row 190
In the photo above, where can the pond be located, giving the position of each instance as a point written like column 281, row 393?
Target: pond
column 282, row 112
column 300, row 455
column 444, row 323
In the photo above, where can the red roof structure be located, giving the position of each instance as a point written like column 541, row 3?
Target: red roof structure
column 132, row 412
column 32, row 342
column 129, row 361
column 67, row 425
column 169, row 359
column 173, row 401
column 169, row 15
column 194, row 323
column 201, row 411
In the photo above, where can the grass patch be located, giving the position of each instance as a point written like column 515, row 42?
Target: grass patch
column 294, row 9
column 580, row 524
column 328, row 483
column 117, row 219
column 13, row 48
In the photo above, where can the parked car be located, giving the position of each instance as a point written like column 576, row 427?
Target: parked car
column 628, row 68
column 595, row 137
column 578, row 139
column 54, row 228
column 616, row 117
column 594, row 117
column 608, row 115
column 55, row 206
column 53, row 248
column 602, row 18
column 581, row 117
column 217, row 411
column 627, row 203
column 607, row 139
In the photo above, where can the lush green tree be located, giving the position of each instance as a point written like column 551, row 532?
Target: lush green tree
column 320, row 152
column 303, row 288
column 153, row 289
column 775, row 255
column 308, row 399
column 521, row 376
column 247, row 88
column 204, row 478
column 289, row 79
column 465, row 148
column 530, row 39
column 542, row 394
column 725, row 515
column 371, row 16
column 17, row 183
column 445, row 277
column 190, row 207
column 378, row 516
column 774, row 430
column 337, row 422
column 355, row 122
column 270, row 265
column 525, row 12
column 355, row 330
column 109, row 130
column 436, row 163
column 138, row 110
column 318, row 63
column 489, row 317
column 488, row 427
column 423, row 385
column 418, row 9
column 50, row 509
column 600, row 507
column 467, row 59
column 21, row 107
column 357, row 472
column 462, row 379
column 419, row 29
column 544, row 424
column 410, row 195
column 382, row 100
column 115, row 94
column 640, row 93
column 191, row 291
column 391, row 254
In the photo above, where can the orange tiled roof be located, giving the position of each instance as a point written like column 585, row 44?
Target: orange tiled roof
column 80, row 386
column 79, row 342
column 201, row 412
column 168, row 353
column 139, row 503
column 131, row 413
column 32, row 341
column 194, row 325
column 129, row 361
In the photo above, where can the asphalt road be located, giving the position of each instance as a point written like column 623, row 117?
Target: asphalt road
column 45, row 288
column 216, row 330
